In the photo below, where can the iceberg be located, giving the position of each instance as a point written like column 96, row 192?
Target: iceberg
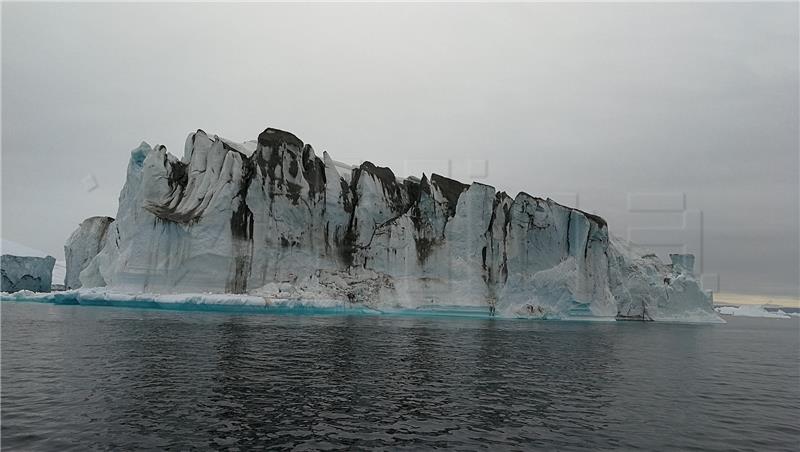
column 17, row 249
column 271, row 219
column 752, row 311
column 26, row 273
column 82, row 246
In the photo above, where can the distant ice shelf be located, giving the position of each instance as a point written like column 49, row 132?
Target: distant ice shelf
column 17, row 249
column 752, row 311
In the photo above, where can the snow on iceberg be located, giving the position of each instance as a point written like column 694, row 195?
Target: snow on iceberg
column 272, row 219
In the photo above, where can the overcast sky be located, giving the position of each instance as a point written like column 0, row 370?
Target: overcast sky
column 593, row 100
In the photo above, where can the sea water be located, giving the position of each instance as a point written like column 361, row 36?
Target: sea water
column 77, row 377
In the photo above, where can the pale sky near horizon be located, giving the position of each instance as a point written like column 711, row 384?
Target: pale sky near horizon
column 583, row 102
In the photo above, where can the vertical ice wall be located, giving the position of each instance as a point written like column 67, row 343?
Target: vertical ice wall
column 272, row 217
column 82, row 246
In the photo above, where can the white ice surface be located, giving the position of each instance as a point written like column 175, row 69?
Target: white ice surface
column 751, row 311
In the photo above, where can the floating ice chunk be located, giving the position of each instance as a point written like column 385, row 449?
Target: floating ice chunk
column 752, row 311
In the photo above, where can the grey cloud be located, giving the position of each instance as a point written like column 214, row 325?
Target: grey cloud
column 598, row 99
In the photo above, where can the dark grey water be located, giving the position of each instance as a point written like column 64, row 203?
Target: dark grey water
column 80, row 377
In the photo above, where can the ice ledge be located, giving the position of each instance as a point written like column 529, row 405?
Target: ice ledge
column 752, row 311
column 267, row 305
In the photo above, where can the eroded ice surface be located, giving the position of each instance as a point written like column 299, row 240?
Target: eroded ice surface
column 272, row 219
column 26, row 273
column 18, row 249
column 82, row 246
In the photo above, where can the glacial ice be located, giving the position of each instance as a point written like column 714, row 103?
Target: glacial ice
column 18, row 249
column 746, row 310
column 82, row 246
column 270, row 220
column 26, row 273
column 189, row 301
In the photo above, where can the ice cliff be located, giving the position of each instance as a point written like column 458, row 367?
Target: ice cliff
column 82, row 246
column 270, row 218
column 26, row 273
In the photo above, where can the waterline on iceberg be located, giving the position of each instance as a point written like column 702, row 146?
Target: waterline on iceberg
column 241, row 303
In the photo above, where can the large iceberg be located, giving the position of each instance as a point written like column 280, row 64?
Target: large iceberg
column 270, row 218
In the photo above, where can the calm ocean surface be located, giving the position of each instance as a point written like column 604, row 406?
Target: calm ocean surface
column 107, row 378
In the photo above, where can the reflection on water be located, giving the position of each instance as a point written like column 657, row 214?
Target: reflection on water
column 77, row 377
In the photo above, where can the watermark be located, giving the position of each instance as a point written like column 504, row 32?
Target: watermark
column 89, row 182
column 682, row 234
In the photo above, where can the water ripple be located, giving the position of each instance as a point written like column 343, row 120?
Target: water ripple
column 75, row 378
